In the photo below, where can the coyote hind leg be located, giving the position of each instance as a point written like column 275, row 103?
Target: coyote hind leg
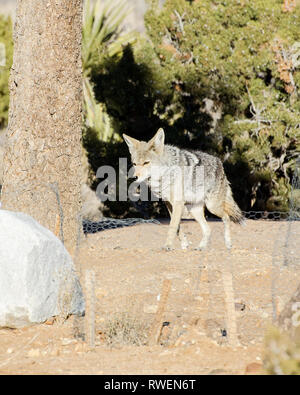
column 198, row 214
column 219, row 211
column 227, row 237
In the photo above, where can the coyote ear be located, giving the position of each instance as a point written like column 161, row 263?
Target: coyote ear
column 158, row 141
column 131, row 142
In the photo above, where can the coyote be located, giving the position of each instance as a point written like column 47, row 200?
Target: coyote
column 203, row 183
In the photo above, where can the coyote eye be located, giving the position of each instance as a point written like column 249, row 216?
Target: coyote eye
column 134, row 164
column 146, row 163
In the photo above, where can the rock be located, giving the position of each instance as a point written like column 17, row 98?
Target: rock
column 37, row 277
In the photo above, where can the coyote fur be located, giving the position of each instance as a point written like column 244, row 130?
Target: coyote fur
column 193, row 180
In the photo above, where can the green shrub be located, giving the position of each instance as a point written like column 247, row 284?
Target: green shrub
column 282, row 353
column 6, row 40
column 222, row 77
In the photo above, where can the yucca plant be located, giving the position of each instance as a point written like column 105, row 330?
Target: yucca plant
column 103, row 35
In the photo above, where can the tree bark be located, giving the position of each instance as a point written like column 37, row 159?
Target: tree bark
column 42, row 163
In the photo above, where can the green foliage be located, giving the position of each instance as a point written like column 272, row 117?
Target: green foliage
column 282, row 355
column 6, row 58
column 220, row 76
column 243, row 55
column 103, row 31
column 103, row 40
column 102, row 36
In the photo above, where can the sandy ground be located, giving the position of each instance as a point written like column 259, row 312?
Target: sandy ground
column 196, row 322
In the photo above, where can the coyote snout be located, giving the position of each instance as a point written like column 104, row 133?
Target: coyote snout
column 154, row 162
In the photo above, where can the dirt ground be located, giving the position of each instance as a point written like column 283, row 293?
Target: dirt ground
column 197, row 326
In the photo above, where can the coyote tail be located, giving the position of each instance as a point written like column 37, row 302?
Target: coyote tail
column 232, row 209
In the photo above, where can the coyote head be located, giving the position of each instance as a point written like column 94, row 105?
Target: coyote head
column 146, row 155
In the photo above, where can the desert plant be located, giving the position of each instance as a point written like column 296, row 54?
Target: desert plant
column 223, row 77
column 282, row 354
column 103, row 36
column 6, row 51
column 125, row 329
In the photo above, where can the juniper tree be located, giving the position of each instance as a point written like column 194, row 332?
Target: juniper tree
column 222, row 76
column 245, row 57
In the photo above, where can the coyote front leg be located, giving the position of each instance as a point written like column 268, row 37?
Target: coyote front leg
column 177, row 210
column 182, row 237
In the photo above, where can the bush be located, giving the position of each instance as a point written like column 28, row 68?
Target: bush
column 102, row 33
column 282, row 353
column 221, row 77
column 6, row 40
column 125, row 329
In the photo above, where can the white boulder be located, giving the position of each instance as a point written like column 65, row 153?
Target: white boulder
column 37, row 277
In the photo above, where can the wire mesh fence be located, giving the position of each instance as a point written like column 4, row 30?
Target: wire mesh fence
column 113, row 223
column 230, row 296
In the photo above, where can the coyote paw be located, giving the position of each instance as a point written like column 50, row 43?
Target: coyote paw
column 202, row 246
column 199, row 248
column 185, row 245
column 228, row 244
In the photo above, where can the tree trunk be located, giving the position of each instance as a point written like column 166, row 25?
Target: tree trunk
column 42, row 163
